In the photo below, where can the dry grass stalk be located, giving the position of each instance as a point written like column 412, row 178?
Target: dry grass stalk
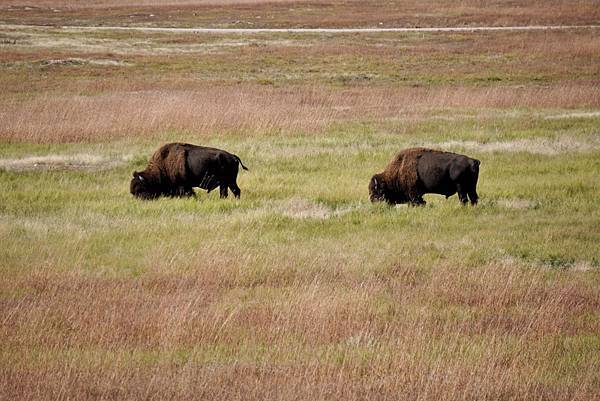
column 189, row 336
column 252, row 110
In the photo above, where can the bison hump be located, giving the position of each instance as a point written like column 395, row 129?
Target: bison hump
column 168, row 165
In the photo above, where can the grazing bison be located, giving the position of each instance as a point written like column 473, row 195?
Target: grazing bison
column 418, row 171
column 175, row 168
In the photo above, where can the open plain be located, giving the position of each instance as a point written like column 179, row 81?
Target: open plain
column 302, row 289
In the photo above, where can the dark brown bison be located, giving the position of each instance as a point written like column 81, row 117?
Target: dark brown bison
column 175, row 168
column 418, row 171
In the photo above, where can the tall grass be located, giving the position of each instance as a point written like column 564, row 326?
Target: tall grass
column 495, row 332
column 255, row 109
column 64, row 86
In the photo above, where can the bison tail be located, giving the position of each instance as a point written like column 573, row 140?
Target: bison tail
column 241, row 164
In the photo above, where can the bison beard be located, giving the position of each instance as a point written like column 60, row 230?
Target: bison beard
column 175, row 168
column 417, row 171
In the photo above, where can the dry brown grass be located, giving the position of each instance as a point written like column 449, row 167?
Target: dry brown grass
column 284, row 13
column 111, row 85
column 86, row 4
column 255, row 109
column 497, row 332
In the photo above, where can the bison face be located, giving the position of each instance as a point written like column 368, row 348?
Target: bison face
column 142, row 187
column 377, row 189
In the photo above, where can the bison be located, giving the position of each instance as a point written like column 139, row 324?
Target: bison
column 418, row 171
column 175, row 168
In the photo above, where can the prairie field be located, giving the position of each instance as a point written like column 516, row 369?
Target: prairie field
column 300, row 13
column 302, row 289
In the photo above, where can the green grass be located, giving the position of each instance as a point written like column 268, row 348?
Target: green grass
column 309, row 193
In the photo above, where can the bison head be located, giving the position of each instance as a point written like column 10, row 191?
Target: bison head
column 377, row 189
column 142, row 187
column 380, row 191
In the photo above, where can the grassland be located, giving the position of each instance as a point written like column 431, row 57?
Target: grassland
column 301, row 289
column 300, row 13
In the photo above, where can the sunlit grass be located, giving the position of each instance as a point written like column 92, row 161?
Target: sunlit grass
column 301, row 289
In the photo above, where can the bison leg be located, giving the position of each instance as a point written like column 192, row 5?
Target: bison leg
column 415, row 197
column 235, row 189
column 418, row 201
column 223, row 191
column 462, row 196
column 189, row 192
column 183, row 191
column 473, row 197
column 462, row 193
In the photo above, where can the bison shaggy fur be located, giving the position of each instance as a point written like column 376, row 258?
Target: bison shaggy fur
column 176, row 168
column 416, row 171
